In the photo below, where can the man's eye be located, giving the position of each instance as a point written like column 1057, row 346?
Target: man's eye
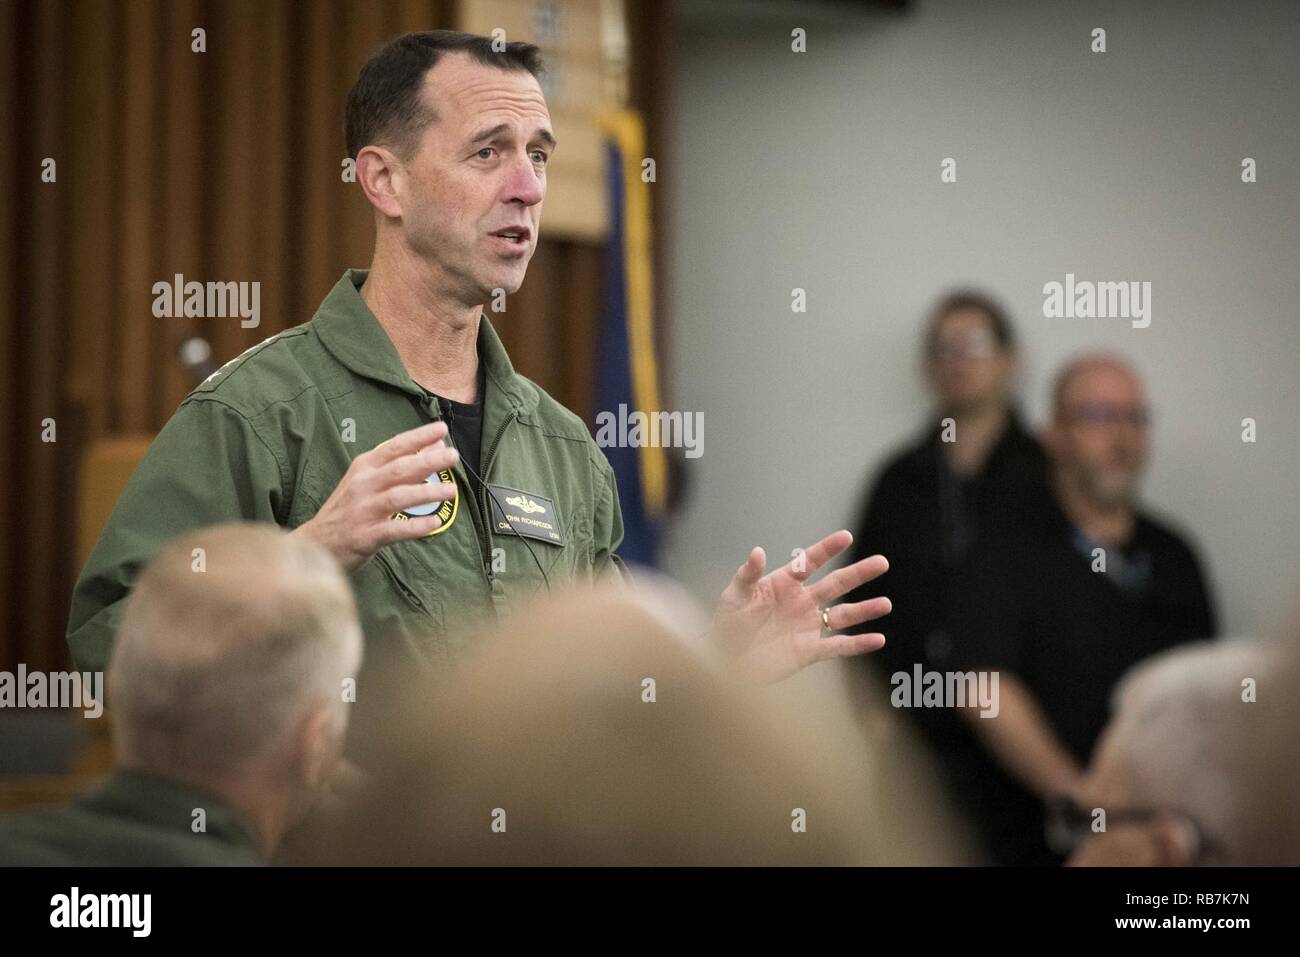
column 539, row 157
column 485, row 153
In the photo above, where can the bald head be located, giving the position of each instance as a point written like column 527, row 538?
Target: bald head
column 234, row 638
column 1097, row 438
column 1092, row 377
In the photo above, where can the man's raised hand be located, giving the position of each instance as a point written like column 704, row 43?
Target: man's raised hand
column 771, row 625
column 357, row 519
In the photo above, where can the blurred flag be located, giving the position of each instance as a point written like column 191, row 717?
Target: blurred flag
column 627, row 373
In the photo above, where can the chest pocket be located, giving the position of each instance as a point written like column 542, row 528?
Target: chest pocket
column 561, row 563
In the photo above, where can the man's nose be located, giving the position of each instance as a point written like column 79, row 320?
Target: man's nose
column 524, row 185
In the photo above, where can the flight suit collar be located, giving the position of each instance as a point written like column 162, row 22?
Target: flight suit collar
column 354, row 336
column 170, row 805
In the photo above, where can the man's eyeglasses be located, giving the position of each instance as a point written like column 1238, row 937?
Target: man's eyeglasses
column 974, row 345
column 1098, row 413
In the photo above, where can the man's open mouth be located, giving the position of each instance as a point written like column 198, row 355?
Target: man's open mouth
column 515, row 234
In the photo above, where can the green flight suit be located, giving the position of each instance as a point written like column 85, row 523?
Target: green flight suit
column 132, row 819
column 269, row 436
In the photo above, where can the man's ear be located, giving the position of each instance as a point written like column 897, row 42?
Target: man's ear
column 1176, row 841
column 316, row 748
column 381, row 176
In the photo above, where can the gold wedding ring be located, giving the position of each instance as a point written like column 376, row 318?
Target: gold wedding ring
column 826, row 622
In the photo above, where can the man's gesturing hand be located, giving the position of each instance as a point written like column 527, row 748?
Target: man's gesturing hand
column 772, row 624
column 357, row 519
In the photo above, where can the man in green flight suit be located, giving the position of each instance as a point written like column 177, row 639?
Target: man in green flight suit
column 392, row 429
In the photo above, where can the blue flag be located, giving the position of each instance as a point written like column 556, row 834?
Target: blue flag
column 626, row 366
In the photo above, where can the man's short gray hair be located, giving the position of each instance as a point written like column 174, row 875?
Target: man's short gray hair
column 231, row 637
column 1183, row 732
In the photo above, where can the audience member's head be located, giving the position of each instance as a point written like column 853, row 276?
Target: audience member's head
column 970, row 354
column 229, row 670
column 1097, row 436
column 1172, row 782
column 588, row 731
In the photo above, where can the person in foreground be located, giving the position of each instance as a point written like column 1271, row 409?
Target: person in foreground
column 1174, row 778
column 600, row 728
column 230, row 683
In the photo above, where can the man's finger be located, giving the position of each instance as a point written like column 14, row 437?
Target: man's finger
column 844, row 580
column 401, row 497
column 848, row 614
column 411, row 468
column 845, row 646
column 815, row 556
column 748, row 574
column 400, row 531
column 405, row 443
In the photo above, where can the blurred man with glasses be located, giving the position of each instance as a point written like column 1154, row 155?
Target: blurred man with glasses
column 1062, row 609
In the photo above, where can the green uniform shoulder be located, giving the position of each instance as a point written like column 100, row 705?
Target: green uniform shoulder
column 131, row 819
column 276, row 370
column 76, row 836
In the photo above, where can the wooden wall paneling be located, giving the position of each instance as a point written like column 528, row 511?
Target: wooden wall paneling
column 13, row 422
column 134, row 172
column 418, row 15
column 236, row 216
column 42, row 332
column 366, row 31
column 92, row 172
column 273, row 177
column 185, row 137
column 579, row 325
column 13, row 129
column 320, row 154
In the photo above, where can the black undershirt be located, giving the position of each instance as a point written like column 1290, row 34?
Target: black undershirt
column 465, row 422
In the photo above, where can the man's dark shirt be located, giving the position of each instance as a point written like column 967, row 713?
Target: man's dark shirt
column 1031, row 604
column 928, row 522
column 465, row 423
column 132, row 819
column 1039, row 610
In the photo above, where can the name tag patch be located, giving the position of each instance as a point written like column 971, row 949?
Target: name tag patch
column 524, row 513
